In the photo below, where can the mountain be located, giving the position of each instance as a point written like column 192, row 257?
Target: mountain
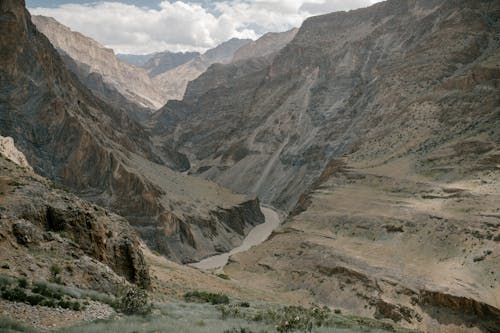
column 72, row 137
column 164, row 61
column 378, row 129
column 265, row 45
column 135, row 59
column 130, row 81
column 173, row 83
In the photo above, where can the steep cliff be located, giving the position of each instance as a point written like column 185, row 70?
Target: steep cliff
column 72, row 137
column 132, row 82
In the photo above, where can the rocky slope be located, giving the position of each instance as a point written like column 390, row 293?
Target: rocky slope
column 382, row 123
column 42, row 227
column 132, row 82
column 72, row 137
column 173, row 83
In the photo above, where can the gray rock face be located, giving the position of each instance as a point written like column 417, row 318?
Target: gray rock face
column 379, row 82
column 74, row 138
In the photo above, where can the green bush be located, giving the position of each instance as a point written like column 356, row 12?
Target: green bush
column 135, row 301
column 202, row 296
column 46, row 290
column 15, row 295
column 23, row 283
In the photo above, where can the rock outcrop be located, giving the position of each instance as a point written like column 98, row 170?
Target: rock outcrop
column 74, row 138
column 43, row 227
column 9, row 151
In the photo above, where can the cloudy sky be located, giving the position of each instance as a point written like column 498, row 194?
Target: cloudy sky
column 146, row 26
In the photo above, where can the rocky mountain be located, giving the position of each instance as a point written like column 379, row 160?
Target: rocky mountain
column 269, row 43
column 164, row 61
column 91, row 57
column 379, row 129
column 173, row 83
column 74, row 138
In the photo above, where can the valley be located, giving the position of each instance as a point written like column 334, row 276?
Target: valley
column 341, row 176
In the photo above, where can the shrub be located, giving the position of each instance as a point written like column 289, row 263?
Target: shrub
column 22, row 283
column 238, row 330
column 224, row 276
column 15, row 295
column 202, row 296
column 135, row 301
column 55, row 271
column 47, row 290
column 245, row 304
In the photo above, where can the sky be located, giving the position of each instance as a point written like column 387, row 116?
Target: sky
column 147, row 26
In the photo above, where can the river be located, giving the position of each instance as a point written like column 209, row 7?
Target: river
column 256, row 236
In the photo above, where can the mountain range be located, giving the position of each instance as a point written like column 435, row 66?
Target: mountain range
column 374, row 132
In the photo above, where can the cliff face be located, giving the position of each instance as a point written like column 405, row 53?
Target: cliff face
column 72, row 137
column 97, row 249
column 132, row 82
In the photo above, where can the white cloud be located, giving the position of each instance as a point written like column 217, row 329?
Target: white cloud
column 182, row 26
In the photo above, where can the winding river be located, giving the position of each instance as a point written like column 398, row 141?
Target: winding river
column 256, row 236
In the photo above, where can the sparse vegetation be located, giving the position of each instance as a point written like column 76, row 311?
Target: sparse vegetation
column 48, row 294
column 285, row 319
column 224, row 276
column 206, row 297
column 135, row 301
